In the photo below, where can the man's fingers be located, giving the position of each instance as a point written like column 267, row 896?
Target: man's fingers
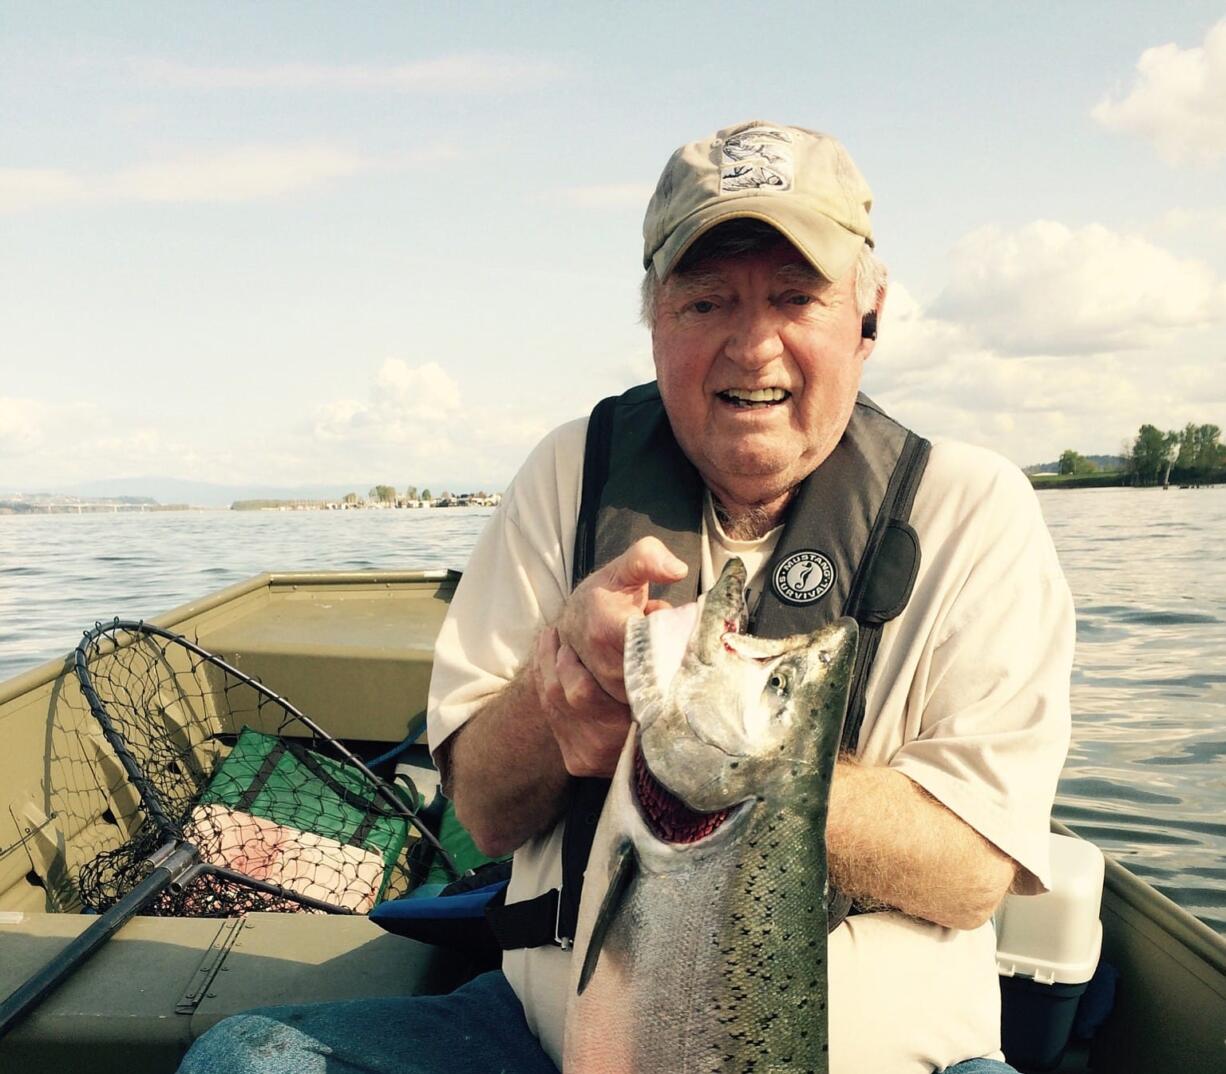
column 580, row 686
column 589, row 725
column 647, row 560
column 654, row 605
column 549, row 688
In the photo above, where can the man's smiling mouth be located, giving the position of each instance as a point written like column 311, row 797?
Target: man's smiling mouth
column 758, row 397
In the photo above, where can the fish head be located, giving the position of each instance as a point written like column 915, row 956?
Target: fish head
column 725, row 718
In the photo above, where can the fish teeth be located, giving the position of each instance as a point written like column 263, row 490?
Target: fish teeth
column 642, row 687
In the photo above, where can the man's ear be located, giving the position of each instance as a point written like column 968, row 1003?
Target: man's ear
column 868, row 326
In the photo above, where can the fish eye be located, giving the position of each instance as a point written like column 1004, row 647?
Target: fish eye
column 778, row 682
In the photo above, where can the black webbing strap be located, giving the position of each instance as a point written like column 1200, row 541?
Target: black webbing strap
column 552, row 918
column 879, row 592
column 310, row 762
column 886, row 575
column 530, row 923
column 596, row 457
column 588, row 794
column 263, row 774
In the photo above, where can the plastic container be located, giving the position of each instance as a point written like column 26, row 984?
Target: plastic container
column 1047, row 948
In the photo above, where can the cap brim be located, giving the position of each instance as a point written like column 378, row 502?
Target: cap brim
column 827, row 246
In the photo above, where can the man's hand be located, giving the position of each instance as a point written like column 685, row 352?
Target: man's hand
column 593, row 623
column 578, row 662
column 564, row 714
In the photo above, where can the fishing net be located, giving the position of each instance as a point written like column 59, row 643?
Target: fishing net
column 277, row 813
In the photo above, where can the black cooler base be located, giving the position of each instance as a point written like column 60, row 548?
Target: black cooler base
column 1036, row 1020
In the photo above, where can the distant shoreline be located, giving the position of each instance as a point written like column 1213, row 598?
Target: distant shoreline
column 1108, row 481
column 29, row 511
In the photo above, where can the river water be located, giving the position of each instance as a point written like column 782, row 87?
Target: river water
column 1146, row 775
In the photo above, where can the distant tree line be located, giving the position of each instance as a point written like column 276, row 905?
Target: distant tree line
column 1193, row 455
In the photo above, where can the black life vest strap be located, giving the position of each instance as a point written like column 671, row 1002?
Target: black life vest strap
column 553, row 917
column 529, row 923
column 878, row 593
column 596, row 455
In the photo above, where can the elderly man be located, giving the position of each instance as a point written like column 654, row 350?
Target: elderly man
column 762, row 295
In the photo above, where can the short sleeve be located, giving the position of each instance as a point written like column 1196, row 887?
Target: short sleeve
column 993, row 675
column 515, row 582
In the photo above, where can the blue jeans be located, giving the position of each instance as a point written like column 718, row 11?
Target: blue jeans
column 478, row 1027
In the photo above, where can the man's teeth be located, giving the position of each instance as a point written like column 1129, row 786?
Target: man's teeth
column 758, row 395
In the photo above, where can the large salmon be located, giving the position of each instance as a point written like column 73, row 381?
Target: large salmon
column 702, row 930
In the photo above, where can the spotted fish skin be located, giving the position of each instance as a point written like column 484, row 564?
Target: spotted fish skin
column 712, row 957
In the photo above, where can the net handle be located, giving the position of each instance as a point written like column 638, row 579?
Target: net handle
column 176, row 863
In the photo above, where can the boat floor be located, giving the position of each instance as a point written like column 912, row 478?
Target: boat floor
column 179, row 977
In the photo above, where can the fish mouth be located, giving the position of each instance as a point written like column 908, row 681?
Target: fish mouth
column 667, row 817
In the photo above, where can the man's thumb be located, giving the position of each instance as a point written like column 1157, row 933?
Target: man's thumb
column 647, row 560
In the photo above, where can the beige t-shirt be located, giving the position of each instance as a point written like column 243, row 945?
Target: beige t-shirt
column 969, row 697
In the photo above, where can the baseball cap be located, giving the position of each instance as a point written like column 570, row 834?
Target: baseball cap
column 801, row 182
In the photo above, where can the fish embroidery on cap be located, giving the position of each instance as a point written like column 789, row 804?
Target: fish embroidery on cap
column 803, row 577
column 757, row 158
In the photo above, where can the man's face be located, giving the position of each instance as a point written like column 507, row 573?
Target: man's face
column 762, row 323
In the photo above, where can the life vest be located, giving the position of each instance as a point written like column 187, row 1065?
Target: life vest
column 846, row 549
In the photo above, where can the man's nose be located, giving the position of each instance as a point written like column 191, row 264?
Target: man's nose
column 754, row 341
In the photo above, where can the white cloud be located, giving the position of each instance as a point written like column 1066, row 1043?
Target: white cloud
column 48, row 443
column 416, row 423
column 1047, row 289
column 234, row 175
column 1193, row 220
column 241, row 174
column 407, row 405
column 911, row 335
column 31, row 188
column 933, row 370
column 1178, row 101
column 474, row 72
column 21, row 426
column 417, row 420
column 603, row 196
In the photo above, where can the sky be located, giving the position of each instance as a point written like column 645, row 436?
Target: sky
column 396, row 242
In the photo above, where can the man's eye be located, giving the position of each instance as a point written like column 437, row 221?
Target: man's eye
column 703, row 305
column 799, row 300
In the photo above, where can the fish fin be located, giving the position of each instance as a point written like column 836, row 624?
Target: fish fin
column 625, row 869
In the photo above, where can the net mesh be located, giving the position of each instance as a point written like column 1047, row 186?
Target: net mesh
column 283, row 817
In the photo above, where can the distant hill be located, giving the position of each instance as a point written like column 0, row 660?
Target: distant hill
column 1103, row 462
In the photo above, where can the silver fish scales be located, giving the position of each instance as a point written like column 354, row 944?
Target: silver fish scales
column 702, row 929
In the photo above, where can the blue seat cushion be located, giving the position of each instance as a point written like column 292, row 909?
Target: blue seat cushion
column 455, row 921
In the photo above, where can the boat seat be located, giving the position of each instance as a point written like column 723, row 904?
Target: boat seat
column 359, row 657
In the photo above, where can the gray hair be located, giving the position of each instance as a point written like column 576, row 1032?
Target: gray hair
column 871, row 273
